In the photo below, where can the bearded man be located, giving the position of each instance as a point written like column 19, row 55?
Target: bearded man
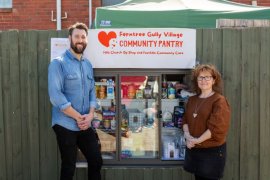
column 72, row 93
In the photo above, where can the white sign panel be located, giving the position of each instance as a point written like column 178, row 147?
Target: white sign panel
column 59, row 46
column 142, row 48
column 136, row 48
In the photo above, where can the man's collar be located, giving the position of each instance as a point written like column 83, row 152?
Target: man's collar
column 72, row 56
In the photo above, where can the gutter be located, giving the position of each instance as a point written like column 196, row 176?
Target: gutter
column 90, row 14
column 58, row 15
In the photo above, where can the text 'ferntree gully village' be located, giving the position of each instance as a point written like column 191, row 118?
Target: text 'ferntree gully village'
column 151, row 43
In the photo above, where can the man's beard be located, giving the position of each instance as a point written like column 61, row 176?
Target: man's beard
column 77, row 50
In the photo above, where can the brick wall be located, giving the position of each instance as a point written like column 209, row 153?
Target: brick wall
column 259, row 2
column 36, row 14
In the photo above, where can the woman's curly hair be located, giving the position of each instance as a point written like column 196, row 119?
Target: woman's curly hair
column 217, row 86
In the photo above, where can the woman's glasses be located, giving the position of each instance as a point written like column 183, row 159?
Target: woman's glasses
column 207, row 78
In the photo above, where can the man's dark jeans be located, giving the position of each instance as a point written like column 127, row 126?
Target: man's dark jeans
column 68, row 142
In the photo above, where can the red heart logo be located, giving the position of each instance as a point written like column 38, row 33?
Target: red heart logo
column 105, row 38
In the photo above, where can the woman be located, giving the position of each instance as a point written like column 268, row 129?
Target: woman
column 205, row 124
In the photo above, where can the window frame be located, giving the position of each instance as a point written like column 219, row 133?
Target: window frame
column 137, row 72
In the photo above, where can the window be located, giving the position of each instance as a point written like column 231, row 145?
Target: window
column 5, row 3
column 139, row 117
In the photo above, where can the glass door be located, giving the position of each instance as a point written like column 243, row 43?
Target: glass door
column 105, row 121
column 173, row 97
column 139, row 117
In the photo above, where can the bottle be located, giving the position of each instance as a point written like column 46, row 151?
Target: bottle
column 125, row 91
column 110, row 89
column 171, row 91
column 181, row 111
column 182, row 147
column 177, row 146
column 164, row 90
column 178, row 114
column 113, row 124
column 148, row 92
column 164, row 82
column 155, row 89
column 171, row 149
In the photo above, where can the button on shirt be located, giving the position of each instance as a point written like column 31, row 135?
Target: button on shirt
column 70, row 83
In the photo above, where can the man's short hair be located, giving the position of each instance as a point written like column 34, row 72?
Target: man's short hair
column 77, row 25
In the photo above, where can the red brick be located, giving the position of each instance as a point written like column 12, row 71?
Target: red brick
column 39, row 13
column 259, row 2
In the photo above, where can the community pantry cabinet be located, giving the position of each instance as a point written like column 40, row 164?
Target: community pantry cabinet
column 139, row 115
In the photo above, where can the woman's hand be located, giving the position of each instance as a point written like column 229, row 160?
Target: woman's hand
column 187, row 135
column 195, row 141
column 190, row 144
column 191, row 141
column 189, row 138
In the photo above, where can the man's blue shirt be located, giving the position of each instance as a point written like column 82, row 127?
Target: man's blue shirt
column 70, row 83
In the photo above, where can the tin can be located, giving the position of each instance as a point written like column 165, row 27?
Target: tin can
column 107, row 124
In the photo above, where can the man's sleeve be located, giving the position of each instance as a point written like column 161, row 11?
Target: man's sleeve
column 55, row 86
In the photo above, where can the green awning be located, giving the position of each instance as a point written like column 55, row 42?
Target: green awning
column 174, row 13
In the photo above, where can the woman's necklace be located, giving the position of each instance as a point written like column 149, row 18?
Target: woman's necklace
column 195, row 113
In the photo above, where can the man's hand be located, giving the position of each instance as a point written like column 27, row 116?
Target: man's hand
column 79, row 118
column 70, row 111
column 85, row 123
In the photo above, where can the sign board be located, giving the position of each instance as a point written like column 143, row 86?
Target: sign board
column 171, row 48
column 59, row 46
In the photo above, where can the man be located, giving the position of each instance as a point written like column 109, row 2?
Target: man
column 72, row 94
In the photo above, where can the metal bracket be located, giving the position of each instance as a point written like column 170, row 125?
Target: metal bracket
column 52, row 19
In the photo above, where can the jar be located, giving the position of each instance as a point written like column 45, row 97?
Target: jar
column 139, row 94
column 167, row 116
column 107, row 123
column 95, row 123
